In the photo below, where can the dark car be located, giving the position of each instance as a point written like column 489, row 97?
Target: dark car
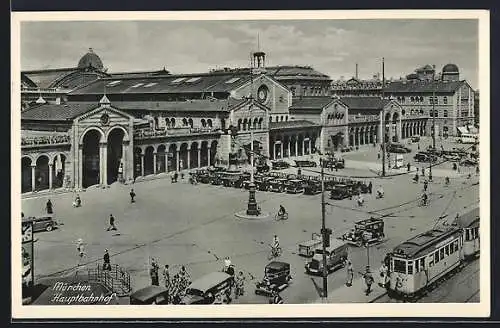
column 312, row 187
column 276, row 277
column 263, row 168
column 398, row 148
column 41, row 223
column 150, row 295
column 333, row 163
column 340, row 191
column 424, row 157
column 305, row 163
column 279, row 165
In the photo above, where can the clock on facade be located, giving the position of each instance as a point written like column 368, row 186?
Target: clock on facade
column 262, row 93
column 104, row 119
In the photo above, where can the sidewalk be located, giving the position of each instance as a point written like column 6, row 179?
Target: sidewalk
column 356, row 293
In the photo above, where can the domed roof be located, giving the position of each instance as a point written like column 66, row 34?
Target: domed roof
column 90, row 59
column 450, row 68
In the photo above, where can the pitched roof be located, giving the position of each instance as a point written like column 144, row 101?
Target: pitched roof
column 311, row 102
column 186, row 83
column 204, row 105
column 291, row 124
column 423, row 86
column 53, row 112
column 365, row 102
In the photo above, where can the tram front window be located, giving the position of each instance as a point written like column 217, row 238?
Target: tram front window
column 399, row 266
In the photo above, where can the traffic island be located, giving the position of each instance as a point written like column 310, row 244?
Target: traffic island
column 260, row 216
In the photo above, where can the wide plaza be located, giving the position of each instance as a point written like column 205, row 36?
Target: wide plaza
column 195, row 225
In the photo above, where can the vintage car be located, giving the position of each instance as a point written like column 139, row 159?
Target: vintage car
column 425, row 157
column 295, row 186
column 279, row 165
column 333, row 163
column 415, row 139
column 242, row 178
column 150, row 295
column 312, row 187
column 277, row 185
column 276, row 278
column 365, row 231
column 262, row 183
column 300, row 163
column 398, row 148
column 206, row 289
column 336, row 257
column 203, row 177
column 41, row 223
column 341, row 191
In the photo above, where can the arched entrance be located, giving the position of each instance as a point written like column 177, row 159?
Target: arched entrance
column 58, row 171
column 172, row 158
column 148, row 161
column 293, row 146
column 115, row 154
column 204, row 153
column 193, row 156
column 213, row 151
column 183, row 156
column 25, row 174
column 137, row 162
column 160, row 159
column 300, row 141
column 91, row 158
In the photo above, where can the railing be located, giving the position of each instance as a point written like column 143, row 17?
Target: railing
column 145, row 134
column 115, row 279
column 45, row 140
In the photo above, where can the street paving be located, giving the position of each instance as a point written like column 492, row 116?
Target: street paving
column 181, row 224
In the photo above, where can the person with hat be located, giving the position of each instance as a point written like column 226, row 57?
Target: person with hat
column 368, row 280
column 106, row 259
column 132, row 196
column 350, row 274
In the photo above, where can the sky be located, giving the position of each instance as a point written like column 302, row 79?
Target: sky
column 332, row 47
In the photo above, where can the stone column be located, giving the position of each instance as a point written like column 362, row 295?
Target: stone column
column 177, row 159
column 310, row 146
column 142, row 165
column 398, row 127
column 381, row 126
column 154, row 163
column 281, row 148
column 208, row 155
column 288, row 146
column 125, row 147
column 296, row 146
column 50, row 175
column 80, row 167
column 165, row 160
column 189, row 158
column 199, row 156
column 104, row 161
column 33, row 177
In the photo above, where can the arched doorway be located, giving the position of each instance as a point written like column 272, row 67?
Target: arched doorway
column 204, row 153
column 91, row 158
column 213, row 151
column 148, row 161
column 137, row 162
column 58, row 171
column 172, row 158
column 115, row 154
column 183, row 156
column 25, row 174
column 160, row 159
column 193, row 157
column 42, row 173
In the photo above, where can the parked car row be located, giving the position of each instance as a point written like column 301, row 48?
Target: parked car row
column 281, row 182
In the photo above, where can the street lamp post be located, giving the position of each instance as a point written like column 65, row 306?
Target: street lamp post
column 252, row 208
column 383, row 118
column 433, row 133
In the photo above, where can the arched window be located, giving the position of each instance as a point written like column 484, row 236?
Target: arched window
column 172, row 122
column 190, row 122
column 245, row 122
column 239, row 124
column 203, row 123
column 281, row 118
column 255, row 123
column 209, row 123
column 260, row 122
column 184, row 122
column 286, row 118
column 277, row 119
column 270, row 119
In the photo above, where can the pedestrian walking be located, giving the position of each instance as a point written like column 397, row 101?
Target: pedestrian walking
column 153, row 272
column 48, row 207
column 176, row 176
column 350, row 274
column 120, row 173
column 107, row 264
column 111, row 223
column 425, row 185
column 383, row 275
column 80, row 248
column 423, row 172
column 370, row 186
column 166, row 276
column 408, row 166
column 378, row 156
column 368, row 280
column 132, row 195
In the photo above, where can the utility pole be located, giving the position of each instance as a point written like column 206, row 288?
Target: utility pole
column 324, row 232
column 383, row 118
column 433, row 132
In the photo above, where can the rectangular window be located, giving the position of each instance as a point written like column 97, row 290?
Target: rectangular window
column 445, row 100
column 422, row 264
column 410, row 267
column 456, row 245
column 447, row 250
column 441, row 254
column 467, row 234
column 477, row 231
column 436, row 257
column 399, row 266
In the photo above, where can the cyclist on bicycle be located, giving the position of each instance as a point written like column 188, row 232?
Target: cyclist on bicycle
column 424, row 199
column 447, row 181
column 276, row 244
column 282, row 211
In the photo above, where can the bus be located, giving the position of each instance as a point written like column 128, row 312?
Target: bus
column 468, row 138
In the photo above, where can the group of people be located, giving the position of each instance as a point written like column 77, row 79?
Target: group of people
column 368, row 276
column 175, row 284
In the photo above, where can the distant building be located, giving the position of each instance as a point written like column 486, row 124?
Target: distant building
column 442, row 96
